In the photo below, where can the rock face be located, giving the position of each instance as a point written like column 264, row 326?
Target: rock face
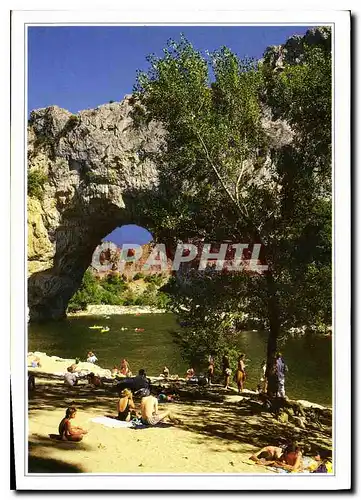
column 292, row 52
column 94, row 171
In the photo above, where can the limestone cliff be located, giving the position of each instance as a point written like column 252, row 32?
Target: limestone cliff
column 93, row 168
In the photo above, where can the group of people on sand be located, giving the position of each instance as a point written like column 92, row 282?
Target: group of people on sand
column 272, row 381
column 290, row 458
column 148, row 415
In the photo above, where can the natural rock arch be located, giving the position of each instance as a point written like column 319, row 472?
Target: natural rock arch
column 94, row 176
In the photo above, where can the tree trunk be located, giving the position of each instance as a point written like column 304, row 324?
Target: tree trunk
column 274, row 328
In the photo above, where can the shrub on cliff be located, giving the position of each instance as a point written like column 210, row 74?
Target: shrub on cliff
column 36, row 181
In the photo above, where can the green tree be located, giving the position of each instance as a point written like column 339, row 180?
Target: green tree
column 223, row 174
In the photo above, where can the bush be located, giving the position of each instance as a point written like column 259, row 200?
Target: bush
column 157, row 279
column 138, row 276
column 36, row 181
column 112, row 290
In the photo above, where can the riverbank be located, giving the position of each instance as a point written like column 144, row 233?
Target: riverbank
column 108, row 310
column 220, row 429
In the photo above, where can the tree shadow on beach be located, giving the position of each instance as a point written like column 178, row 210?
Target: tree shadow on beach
column 39, row 447
column 50, row 466
column 48, row 396
column 233, row 423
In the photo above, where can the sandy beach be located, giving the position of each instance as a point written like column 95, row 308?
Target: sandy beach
column 104, row 309
column 216, row 435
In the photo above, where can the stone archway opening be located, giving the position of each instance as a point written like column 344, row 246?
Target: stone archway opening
column 94, row 180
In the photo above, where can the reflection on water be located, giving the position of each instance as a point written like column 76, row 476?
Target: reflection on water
column 309, row 359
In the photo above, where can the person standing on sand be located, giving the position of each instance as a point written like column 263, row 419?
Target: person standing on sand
column 281, row 373
column 263, row 378
column 150, row 415
column 241, row 373
column 226, row 369
column 210, row 369
column 272, row 378
column 68, row 432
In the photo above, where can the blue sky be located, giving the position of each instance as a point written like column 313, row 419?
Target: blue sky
column 84, row 66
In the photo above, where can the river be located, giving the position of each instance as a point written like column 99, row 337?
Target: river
column 309, row 358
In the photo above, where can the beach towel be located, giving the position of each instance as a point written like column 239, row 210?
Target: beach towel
column 111, row 422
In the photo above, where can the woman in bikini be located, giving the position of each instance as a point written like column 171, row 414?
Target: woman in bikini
column 68, row 432
column 126, row 406
column 240, row 373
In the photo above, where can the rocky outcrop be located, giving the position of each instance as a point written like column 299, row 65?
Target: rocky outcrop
column 293, row 51
column 94, row 169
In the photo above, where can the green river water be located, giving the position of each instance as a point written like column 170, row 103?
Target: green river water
column 309, row 359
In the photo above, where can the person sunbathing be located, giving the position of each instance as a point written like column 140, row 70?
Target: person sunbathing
column 67, row 431
column 94, row 380
column 150, row 415
column 126, row 406
column 291, row 459
column 267, row 455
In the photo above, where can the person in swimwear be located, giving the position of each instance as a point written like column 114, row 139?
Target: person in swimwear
column 126, row 406
column 267, row 455
column 240, row 373
column 291, row 459
column 68, row 432
column 150, row 415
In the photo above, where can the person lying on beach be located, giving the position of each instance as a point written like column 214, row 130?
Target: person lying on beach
column 70, row 378
column 126, row 406
column 150, row 415
column 67, row 431
column 94, row 380
column 291, row 459
column 267, row 455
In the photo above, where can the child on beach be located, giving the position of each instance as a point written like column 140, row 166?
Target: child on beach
column 68, row 432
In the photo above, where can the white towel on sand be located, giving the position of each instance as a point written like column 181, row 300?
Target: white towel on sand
column 111, row 422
